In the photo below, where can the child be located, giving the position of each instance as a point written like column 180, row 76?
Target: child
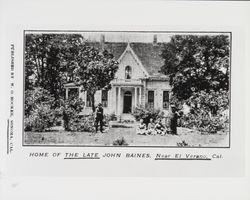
column 151, row 127
column 141, row 129
column 159, row 128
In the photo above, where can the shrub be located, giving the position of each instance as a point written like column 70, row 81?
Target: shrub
column 208, row 112
column 39, row 112
column 183, row 143
column 36, row 97
column 120, row 142
column 40, row 118
column 74, row 122
column 146, row 113
column 82, row 123
column 111, row 117
column 70, row 110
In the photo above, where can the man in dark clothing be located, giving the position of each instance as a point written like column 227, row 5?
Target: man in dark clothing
column 213, row 108
column 99, row 117
column 174, row 115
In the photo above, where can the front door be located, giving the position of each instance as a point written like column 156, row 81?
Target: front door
column 127, row 103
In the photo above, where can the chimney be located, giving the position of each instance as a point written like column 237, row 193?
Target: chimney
column 102, row 38
column 155, row 39
column 102, row 41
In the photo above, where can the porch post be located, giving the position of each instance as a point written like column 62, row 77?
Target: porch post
column 67, row 93
column 140, row 90
column 79, row 92
column 135, row 96
column 85, row 99
column 119, row 100
column 115, row 99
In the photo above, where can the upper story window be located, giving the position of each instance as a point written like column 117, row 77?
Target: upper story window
column 128, row 72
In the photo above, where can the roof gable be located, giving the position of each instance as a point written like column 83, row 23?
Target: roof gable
column 147, row 54
column 138, row 61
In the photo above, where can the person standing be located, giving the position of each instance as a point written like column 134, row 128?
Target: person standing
column 174, row 115
column 99, row 118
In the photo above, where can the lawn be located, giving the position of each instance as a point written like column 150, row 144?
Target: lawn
column 190, row 137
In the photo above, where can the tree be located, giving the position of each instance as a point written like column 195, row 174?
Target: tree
column 94, row 70
column 51, row 60
column 48, row 59
column 196, row 63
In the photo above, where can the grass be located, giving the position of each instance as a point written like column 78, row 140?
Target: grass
column 192, row 138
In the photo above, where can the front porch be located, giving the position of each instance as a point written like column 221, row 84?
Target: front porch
column 127, row 94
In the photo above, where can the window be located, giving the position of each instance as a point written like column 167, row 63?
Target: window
column 128, row 72
column 89, row 102
column 165, row 99
column 73, row 92
column 151, row 99
column 105, row 98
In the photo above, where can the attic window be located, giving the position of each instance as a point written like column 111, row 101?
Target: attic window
column 128, row 72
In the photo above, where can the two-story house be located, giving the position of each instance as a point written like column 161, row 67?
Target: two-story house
column 137, row 80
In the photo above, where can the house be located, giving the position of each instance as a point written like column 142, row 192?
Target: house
column 137, row 81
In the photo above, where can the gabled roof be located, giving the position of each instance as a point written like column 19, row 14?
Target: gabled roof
column 116, row 48
column 148, row 53
column 129, row 49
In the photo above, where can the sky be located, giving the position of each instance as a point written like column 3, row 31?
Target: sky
column 146, row 37
column 127, row 36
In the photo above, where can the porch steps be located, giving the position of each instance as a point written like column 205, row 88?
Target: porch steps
column 127, row 117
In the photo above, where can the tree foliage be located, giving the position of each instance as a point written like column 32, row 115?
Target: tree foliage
column 94, row 70
column 145, row 113
column 196, row 63
column 39, row 112
column 209, row 112
column 48, row 59
column 51, row 60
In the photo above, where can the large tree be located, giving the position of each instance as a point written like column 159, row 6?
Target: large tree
column 196, row 63
column 51, row 60
column 48, row 60
column 94, row 70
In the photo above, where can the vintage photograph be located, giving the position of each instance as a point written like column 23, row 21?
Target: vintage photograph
column 131, row 89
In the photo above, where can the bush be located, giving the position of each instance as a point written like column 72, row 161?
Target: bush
column 146, row 113
column 208, row 112
column 120, row 142
column 37, row 97
column 183, row 143
column 70, row 110
column 40, row 118
column 111, row 117
column 82, row 123
column 39, row 112
column 74, row 122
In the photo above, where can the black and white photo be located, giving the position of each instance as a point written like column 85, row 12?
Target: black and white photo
column 133, row 88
